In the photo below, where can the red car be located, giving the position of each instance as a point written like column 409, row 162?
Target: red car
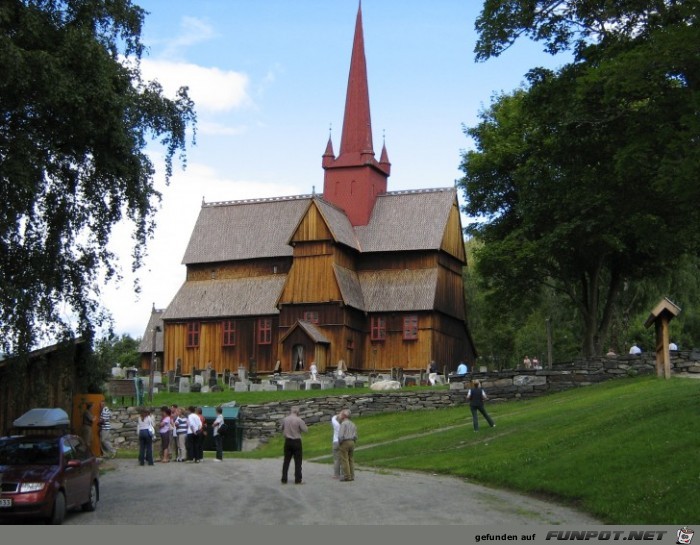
column 43, row 474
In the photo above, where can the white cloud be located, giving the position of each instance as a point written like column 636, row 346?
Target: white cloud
column 212, row 89
column 193, row 31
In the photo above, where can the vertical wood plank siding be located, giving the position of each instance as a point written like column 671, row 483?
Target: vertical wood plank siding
column 211, row 347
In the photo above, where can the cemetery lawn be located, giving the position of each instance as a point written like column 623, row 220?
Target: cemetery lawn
column 625, row 451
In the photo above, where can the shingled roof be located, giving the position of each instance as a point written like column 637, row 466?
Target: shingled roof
column 253, row 296
column 350, row 288
column 260, row 228
column 407, row 220
column 399, row 290
column 339, row 224
column 250, row 229
column 146, row 344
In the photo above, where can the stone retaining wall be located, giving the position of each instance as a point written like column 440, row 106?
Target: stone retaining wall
column 259, row 422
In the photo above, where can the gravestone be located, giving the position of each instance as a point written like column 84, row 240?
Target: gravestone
column 241, row 387
column 171, row 377
column 291, row 385
column 213, row 381
column 456, row 385
column 205, row 389
column 157, row 378
column 184, row 385
column 340, row 383
column 205, row 376
column 256, row 387
column 117, row 372
column 198, row 379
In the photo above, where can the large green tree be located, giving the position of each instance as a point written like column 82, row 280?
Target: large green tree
column 75, row 119
column 587, row 179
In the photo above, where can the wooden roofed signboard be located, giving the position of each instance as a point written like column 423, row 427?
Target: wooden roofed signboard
column 660, row 316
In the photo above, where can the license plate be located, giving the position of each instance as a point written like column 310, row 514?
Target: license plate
column 5, row 502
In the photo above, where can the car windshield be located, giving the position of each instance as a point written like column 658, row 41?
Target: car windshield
column 25, row 451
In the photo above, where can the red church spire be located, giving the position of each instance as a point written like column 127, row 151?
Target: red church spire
column 357, row 124
column 353, row 180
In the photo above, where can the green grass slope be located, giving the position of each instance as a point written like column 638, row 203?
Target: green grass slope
column 625, row 451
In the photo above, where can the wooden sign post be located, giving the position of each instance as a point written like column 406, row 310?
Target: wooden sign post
column 660, row 316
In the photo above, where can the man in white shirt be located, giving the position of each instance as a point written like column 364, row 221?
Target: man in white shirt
column 194, row 424
column 635, row 350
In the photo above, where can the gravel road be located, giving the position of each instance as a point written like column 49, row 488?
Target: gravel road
column 249, row 492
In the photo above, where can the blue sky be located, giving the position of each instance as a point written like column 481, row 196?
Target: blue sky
column 269, row 78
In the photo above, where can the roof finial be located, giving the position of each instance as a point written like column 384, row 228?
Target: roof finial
column 313, row 190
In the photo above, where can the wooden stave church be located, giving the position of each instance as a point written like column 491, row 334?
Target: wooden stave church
column 359, row 274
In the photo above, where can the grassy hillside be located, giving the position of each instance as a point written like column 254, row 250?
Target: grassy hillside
column 625, row 451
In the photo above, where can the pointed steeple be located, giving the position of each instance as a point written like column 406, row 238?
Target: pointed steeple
column 328, row 155
column 357, row 124
column 354, row 179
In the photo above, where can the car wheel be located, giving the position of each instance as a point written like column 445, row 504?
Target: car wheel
column 91, row 504
column 59, row 509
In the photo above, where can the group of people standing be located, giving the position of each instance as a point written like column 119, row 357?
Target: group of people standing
column 184, row 429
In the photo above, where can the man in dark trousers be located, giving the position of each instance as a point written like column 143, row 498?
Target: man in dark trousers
column 477, row 396
column 292, row 428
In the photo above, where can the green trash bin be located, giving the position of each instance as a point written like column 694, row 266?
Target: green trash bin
column 233, row 439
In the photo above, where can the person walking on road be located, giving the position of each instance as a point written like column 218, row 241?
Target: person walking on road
column 347, row 436
column 476, row 397
column 292, row 428
column 105, row 424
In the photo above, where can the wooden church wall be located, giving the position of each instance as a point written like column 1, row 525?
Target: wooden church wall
column 394, row 351
column 453, row 239
column 397, row 260
column 311, row 279
column 312, row 227
column 211, row 349
column 239, row 269
column 450, row 293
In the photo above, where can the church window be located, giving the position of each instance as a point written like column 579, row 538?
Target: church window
column 265, row 331
column 192, row 334
column 229, row 333
column 377, row 328
column 311, row 316
column 410, row 327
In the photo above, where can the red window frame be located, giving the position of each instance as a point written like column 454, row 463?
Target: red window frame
column 264, row 330
column 410, row 327
column 192, row 334
column 377, row 328
column 311, row 316
column 228, row 333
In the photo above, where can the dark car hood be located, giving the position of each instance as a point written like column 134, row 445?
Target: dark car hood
column 27, row 473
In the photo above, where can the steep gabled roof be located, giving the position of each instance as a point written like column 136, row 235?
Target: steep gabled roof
column 313, row 332
column 399, row 290
column 233, row 297
column 407, row 220
column 350, row 288
column 156, row 320
column 251, row 229
column 338, row 223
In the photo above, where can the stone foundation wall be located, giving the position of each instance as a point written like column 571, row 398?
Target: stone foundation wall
column 259, row 422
